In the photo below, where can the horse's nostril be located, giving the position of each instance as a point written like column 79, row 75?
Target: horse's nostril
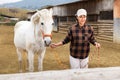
column 50, row 43
column 47, row 43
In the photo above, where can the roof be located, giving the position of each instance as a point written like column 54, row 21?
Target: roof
column 71, row 2
column 68, row 2
column 7, row 16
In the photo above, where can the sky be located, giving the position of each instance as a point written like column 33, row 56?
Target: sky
column 8, row 1
column 32, row 4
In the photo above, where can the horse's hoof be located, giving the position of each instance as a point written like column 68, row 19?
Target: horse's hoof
column 27, row 69
column 20, row 71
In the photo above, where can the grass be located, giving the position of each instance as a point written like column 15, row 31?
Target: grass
column 14, row 12
column 55, row 59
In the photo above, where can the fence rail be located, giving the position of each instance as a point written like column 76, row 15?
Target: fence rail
column 110, row 73
column 102, row 30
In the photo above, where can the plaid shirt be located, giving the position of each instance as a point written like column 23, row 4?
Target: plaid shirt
column 80, row 39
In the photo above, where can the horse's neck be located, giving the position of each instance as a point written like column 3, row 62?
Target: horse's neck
column 37, row 33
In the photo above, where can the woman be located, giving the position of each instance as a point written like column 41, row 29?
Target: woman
column 80, row 36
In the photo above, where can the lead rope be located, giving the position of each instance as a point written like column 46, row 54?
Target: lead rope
column 98, row 56
column 96, row 51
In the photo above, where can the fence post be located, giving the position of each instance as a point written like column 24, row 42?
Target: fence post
column 116, row 29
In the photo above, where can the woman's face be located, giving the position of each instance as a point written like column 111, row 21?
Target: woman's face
column 81, row 19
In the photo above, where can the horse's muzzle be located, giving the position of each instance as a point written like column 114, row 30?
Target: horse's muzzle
column 47, row 41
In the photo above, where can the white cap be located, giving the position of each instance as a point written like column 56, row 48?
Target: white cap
column 81, row 12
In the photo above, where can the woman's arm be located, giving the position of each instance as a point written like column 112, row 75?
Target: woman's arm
column 54, row 45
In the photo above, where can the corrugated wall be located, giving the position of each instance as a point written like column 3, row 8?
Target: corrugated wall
column 92, row 6
column 103, row 30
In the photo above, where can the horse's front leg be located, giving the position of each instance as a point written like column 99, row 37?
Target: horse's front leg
column 31, row 61
column 40, row 60
column 19, row 53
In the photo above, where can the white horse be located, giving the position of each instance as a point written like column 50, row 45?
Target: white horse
column 33, row 37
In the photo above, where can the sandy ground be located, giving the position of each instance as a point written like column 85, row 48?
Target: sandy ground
column 55, row 59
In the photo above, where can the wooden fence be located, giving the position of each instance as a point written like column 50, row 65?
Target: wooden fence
column 110, row 73
column 103, row 30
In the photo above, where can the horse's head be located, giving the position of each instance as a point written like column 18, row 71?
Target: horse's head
column 44, row 20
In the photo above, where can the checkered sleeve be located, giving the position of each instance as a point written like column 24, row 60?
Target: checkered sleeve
column 92, row 38
column 68, row 37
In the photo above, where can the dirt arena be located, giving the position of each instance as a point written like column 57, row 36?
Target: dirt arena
column 55, row 59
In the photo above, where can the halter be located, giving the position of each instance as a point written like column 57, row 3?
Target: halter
column 46, row 35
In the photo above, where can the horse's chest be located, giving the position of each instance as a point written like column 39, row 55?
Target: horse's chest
column 37, row 46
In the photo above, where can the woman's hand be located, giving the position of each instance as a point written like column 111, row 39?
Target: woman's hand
column 54, row 45
column 97, row 45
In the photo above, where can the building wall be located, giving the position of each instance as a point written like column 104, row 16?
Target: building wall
column 92, row 6
column 116, row 33
column 98, row 10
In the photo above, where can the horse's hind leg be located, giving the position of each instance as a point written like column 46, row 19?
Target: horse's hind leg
column 27, row 63
column 19, row 53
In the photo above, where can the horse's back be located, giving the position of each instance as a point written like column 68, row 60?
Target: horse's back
column 20, row 31
column 22, row 24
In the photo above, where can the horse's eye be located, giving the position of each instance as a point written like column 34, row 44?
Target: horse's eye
column 42, row 23
column 53, row 24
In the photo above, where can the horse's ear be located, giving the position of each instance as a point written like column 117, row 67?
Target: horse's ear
column 35, row 18
column 51, row 11
column 37, row 10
